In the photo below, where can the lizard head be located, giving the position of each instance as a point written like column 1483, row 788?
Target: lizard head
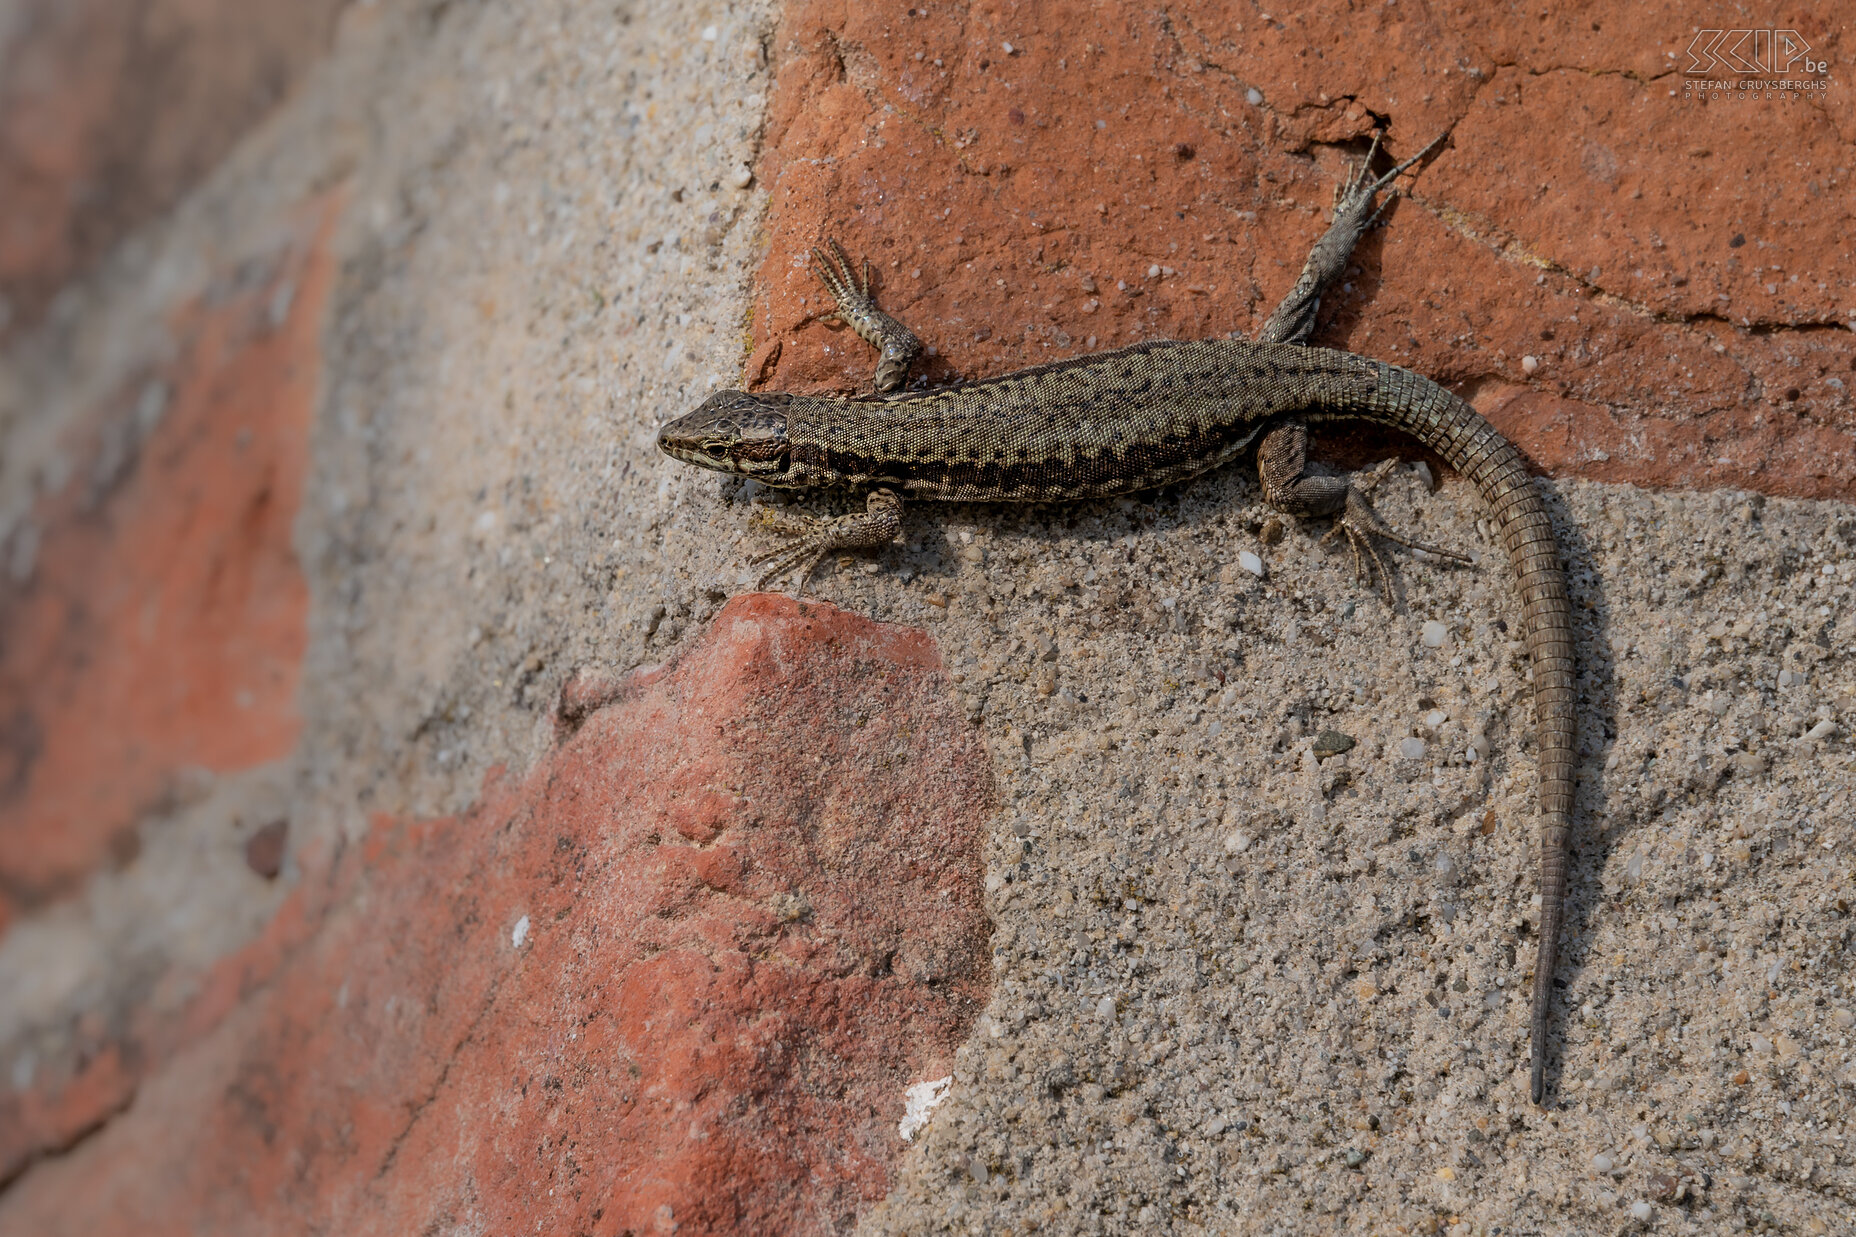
column 733, row 431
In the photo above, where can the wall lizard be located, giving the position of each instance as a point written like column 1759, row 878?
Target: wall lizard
column 1149, row 415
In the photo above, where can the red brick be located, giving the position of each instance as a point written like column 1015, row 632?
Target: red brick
column 165, row 620
column 993, row 180
column 752, row 890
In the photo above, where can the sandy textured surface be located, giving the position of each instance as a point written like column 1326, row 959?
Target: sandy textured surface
column 1246, row 989
column 1236, row 986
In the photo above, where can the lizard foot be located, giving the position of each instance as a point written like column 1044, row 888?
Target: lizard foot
column 809, row 539
column 833, row 268
column 896, row 345
column 1359, row 184
column 1360, row 188
column 1363, row 528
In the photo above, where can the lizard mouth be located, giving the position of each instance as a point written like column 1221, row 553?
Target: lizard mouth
column 691, row 449
column 732, row 432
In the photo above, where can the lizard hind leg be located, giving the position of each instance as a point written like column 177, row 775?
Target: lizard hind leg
column 1364, row 529
column 808, row 539
column 1281, row 460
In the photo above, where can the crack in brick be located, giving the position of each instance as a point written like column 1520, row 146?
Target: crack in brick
column 71, row 1144
column 419, row 1107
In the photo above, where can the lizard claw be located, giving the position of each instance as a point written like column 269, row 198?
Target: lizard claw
column 809, row 539
column 1363, row 528
column 1360, row 188
column 785, row 559
column 853, row 306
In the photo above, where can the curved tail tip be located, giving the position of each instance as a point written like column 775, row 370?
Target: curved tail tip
column 1539, row 1088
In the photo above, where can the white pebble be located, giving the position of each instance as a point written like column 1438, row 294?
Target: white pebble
column 1006, row 48
column 1434, row 634
column 1642, row 1212
column 1153, row 272
column 1254, row 97
column 1760, row 1044
column 919, row 1103
column 741, row 177
column 1529, row 364
column 1411, row 749
column 1601, row 1163
column 1823, row 730
column 1422, row 472
column 1105, row 1008
column 521, row 932
column 1237, row 843
column 1436, row 718
column 1444, row 865
column 710, row 34
column 1251, row 563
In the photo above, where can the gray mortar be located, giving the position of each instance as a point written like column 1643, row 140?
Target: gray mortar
column 537, row 271
column 1298, row 950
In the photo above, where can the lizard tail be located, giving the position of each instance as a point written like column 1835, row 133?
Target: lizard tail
column 1472, row 446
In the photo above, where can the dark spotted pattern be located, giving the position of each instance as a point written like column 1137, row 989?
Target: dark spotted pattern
column 1107, row 424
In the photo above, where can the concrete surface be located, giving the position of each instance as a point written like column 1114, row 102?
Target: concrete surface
column 328, row 488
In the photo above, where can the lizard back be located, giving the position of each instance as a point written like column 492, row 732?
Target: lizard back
column 1111, row 423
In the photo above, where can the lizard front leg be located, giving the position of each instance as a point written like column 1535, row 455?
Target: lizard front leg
column 1354, row 211
column 1283, row 454
column 809, row 539
column 1281, row 458
column 896, row 345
